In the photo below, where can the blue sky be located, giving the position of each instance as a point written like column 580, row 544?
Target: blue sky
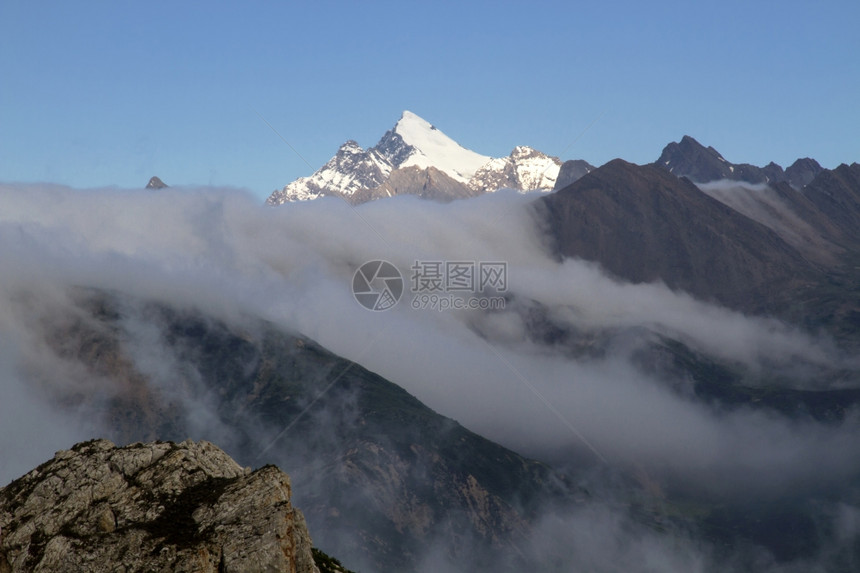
column 111, row 93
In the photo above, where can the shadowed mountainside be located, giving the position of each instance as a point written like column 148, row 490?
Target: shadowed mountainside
column 378, row 474
column 643, row 224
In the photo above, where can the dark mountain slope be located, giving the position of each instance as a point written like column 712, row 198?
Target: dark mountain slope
column 643, row 224
column 379, row 475
column 836, row 194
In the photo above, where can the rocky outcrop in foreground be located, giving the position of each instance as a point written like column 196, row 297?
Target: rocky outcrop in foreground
column 151, row 507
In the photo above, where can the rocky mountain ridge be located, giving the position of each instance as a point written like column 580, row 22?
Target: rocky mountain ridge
column 689, row 158
column 359, row 175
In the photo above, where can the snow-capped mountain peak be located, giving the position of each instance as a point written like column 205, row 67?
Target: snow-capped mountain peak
column 426, row 162
column 432, row 148
column 350, row 170
column 525, row 169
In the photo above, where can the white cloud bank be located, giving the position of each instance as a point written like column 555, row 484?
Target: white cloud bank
column 221, row 251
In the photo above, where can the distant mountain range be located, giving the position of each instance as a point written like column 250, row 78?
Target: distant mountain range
column 762, row 240
column 701, row 164
column 416, row 158
column 758, row 239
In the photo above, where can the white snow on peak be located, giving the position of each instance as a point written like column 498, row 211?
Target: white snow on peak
column 435, row 149
column 534, row 169
column 420, row 144
column 525, row 169
column 349, row 171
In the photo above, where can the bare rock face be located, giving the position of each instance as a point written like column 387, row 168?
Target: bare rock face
column 151, row 507
column 428, row 183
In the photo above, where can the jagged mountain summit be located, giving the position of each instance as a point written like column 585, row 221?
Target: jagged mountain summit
column 415, row 157
column 812, row 208
column 414, row 141
column 689, row 158
column 524, row 169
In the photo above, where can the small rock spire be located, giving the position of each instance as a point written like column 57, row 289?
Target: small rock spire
column 156, row 183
